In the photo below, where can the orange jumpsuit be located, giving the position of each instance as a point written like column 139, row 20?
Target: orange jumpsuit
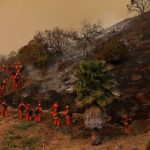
column 127, row 126
column 15, row 80
column 55, row 116
column 38, row 112
column 3, row 68
column 28, row 113
column 21, row 108
column 16, row 66
column 68, row 117
column 4, row 106
column 18, row 72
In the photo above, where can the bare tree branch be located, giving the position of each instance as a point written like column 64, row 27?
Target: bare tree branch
column 140, row 6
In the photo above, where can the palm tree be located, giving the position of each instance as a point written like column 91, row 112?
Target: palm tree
column 94, row 89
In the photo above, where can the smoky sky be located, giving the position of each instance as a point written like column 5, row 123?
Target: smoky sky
column 21, row 19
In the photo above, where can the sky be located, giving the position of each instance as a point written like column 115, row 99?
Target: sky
column 21, row 19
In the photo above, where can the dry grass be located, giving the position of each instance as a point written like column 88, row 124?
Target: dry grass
column 18, row 135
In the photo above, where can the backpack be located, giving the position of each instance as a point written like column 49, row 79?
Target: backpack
column 36, row 112
column 22, row 108
column 70, row 113
column 30, row 112
column 17, row 78
column 130, row 121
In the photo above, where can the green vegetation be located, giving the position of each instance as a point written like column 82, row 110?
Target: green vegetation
column 94, row 87
column 3, row 75
column 34, row 53
column 30, row 142
column 94, row 84
column 17, row 137
column 25, row 125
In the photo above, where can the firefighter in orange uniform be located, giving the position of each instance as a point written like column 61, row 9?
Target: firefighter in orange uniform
column 55, row 115
column 127, row 121
column 38, row 112
column 29, row 113
column 55, row 106
column 67, row 113
column 16, row 66
column 3, row 68
column 21, row 108
column 15, row 80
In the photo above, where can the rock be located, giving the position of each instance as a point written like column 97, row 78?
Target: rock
column 136, row 77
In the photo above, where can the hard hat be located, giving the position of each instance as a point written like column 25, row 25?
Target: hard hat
column 39, row 104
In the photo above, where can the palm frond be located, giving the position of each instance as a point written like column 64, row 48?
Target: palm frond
column 94, row 83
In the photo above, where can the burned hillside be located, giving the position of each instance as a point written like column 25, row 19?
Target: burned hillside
column 125, row 45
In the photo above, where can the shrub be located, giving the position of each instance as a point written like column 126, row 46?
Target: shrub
column 34, row 53
column 25, row 125
column 30, row 142
column 111, row 51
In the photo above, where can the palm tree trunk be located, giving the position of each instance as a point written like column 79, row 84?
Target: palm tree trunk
column 94, row 119
column 96, row 139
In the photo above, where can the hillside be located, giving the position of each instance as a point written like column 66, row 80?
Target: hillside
column 132, row 73
column 56, row 82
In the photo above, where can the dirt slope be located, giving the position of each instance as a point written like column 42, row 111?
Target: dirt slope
column 19, row 135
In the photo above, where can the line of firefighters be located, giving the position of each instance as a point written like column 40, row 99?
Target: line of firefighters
column 55, row 113
column 38, row 112
column 13, row 73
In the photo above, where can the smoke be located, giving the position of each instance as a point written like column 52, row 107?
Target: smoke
column 34, row 74
column 110, row 18
column 44, row 80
